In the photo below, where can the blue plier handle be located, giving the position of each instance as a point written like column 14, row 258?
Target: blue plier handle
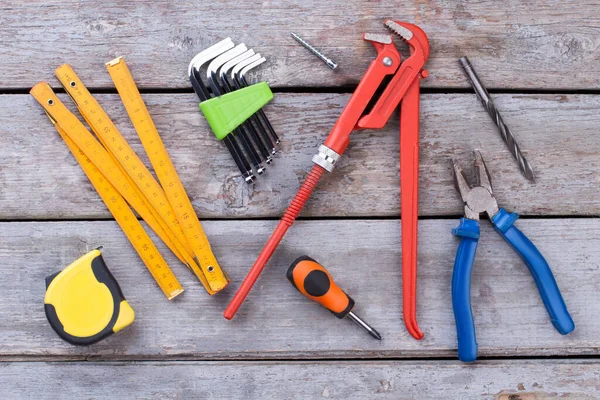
column 503, row 222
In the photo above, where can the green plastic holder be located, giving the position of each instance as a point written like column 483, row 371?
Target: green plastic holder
column 227, row 112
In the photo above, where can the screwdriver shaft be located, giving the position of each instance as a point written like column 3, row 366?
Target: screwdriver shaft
column 364, row 325
column 490, row 107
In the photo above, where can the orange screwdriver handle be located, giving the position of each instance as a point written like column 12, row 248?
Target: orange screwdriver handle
column 313, row 281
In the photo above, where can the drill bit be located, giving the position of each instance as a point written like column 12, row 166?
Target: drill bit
column 490, row 107
column 330, row 63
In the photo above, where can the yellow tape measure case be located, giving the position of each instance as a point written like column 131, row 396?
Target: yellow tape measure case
column 84, row 303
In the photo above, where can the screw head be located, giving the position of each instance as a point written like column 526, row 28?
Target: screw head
column 387, row 62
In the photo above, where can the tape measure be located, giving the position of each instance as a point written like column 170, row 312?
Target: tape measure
column 84, row 303
column 110, row 184
column 167, row 174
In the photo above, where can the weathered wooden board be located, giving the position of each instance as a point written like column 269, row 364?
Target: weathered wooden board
column 277, row 322
column 541, row 44
column 39, row 179
column 508, row 380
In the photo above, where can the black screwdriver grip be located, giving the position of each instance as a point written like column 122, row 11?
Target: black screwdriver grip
column 312, row 280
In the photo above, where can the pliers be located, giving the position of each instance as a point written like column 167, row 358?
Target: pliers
column 477, row 200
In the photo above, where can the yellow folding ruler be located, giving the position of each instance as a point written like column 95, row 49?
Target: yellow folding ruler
column 166, row 173
column 133, row 169
column 112, row 162
column 112, row 197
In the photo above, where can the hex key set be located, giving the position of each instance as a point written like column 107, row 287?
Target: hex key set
column 252, row 141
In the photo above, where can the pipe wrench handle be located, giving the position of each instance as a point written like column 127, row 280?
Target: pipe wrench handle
column 409, row 199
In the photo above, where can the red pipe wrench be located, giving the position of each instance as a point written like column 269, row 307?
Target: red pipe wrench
column 403, row 85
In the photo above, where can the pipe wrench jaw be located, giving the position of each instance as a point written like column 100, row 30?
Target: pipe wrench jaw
column 386, row 63
column 411, row 34
column 358, row 114
column 410, row 71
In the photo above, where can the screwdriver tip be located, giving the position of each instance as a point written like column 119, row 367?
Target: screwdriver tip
column 364, row 325
column 375, row 334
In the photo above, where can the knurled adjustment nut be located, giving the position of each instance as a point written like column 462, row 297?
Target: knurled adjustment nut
column 326, row 158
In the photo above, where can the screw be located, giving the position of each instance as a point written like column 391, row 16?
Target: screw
column 330, row 63
column 387, row 62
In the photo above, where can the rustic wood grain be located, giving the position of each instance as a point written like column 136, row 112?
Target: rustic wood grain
column 512, row 380
column 39, row 179
column 513, row 44
column 277, row 322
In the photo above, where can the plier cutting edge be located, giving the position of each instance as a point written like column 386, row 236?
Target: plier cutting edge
column 477, row 200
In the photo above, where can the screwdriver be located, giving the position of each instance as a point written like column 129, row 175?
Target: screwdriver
column 312, row 280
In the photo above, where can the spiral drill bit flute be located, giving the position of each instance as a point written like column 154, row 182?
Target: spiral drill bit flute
column 490, row 107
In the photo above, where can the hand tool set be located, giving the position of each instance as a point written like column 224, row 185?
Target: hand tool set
column 84, row 303
column 480, row 199
column 404, row 79
column 312, row 280
column 235, row 110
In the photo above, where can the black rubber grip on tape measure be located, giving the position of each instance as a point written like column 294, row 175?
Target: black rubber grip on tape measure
column 103, row 275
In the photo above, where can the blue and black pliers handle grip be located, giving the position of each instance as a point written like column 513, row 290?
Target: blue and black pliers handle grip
column 503, row 222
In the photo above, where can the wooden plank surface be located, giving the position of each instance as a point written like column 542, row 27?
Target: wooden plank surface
column 277, row 322
column 558, row 133
column 513, row 44
column 506, row 380
column 546, row 47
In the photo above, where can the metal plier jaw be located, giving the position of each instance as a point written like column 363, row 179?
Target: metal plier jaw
column 480, row 198
column 477, row 200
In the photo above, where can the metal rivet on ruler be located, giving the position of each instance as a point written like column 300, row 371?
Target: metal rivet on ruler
column 387, row 62
column 210, row 268
column 50, row 102
column 72, row 83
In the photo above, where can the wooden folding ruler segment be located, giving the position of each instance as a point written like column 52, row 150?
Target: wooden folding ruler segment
column 136, row 173
column 166, row 173
column 104, row 183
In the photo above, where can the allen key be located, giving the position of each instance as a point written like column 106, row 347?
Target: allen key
column 211, row 75
column 203, row 94
column 240, row 81
column 253, row 121
column 259, row 135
